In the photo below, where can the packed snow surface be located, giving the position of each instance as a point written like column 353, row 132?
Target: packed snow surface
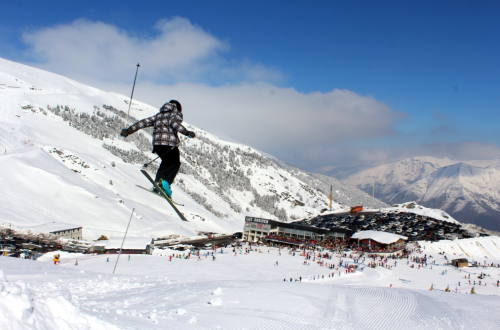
column 244, row 291
column 379, row 236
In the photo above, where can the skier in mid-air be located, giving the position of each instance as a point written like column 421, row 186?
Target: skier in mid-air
column 166, row 124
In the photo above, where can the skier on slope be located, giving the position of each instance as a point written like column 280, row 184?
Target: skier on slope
column 166, row 124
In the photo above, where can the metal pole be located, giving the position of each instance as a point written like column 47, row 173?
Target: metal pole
column 124, row 239
column 331, row 193
column 133, row 87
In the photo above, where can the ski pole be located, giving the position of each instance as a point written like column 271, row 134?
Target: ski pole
column 133, row 87
column 166, row 152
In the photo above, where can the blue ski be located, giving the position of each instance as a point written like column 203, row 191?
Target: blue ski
column 169, row 200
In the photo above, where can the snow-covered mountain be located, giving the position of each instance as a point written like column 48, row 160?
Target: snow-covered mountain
column 469, row 191
column 62, row 160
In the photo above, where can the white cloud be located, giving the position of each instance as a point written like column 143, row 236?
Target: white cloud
column 300, row 128
column 342, row 156
column 270, row 118
column 94, row 50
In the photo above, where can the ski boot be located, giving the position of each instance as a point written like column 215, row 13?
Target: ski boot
column 166, row 187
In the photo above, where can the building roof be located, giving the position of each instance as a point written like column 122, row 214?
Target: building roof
column 295, row 225
column 378, row 236
column 131, row 243
column 52, row 227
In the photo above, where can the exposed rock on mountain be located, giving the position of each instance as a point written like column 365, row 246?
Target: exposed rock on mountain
column 469, row 191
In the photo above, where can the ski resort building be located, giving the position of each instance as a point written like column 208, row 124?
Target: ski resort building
column 65, row 230
column 258, row 229
column 462, row 262
column 132, row 245
column 379, row 242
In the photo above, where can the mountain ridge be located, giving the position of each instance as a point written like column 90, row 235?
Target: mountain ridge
column 467, row 191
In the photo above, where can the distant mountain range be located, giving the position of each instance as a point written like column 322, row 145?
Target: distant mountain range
column 469, row 191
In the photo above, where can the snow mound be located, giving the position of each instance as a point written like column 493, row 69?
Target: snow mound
column 217, row 292
column 63, row 256
column 216, row 301
column 18, row 310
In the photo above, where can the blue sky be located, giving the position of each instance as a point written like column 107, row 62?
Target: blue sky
column 435, row 66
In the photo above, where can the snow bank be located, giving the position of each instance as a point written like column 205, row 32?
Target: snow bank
column 478, row 247
column 18, row 310
column 216, row 301
column 217, row 292
column 64, row 255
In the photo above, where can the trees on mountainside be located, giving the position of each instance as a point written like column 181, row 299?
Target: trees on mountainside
column 219, row 168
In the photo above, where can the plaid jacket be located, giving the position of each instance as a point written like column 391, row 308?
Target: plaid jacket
column 166, row 124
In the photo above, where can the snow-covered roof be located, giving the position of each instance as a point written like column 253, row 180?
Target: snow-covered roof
column 55, row 227
column 131, row 243
column 378, row 236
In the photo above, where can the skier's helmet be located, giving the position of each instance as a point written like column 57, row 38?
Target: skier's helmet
column 177, row 104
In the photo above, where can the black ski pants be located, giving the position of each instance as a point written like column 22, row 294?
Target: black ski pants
column 170, row 163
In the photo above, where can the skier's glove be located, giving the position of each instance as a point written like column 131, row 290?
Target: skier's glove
column 124, row 133
column 191, row 134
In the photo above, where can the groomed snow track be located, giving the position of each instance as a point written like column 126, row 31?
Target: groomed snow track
column 310, row 306
column 175, row 296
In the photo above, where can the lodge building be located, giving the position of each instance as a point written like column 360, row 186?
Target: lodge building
column 379, row 242
column 64, row 230
column 258, row 229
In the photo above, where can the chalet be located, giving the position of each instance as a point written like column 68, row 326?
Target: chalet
column 462, row 262
column 132, row 245
column 379, row 242
column 65, row 230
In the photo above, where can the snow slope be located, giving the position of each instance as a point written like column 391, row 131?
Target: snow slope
column 63, row 161
column 469, row 191
column 247, row 292
column 479, row 247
